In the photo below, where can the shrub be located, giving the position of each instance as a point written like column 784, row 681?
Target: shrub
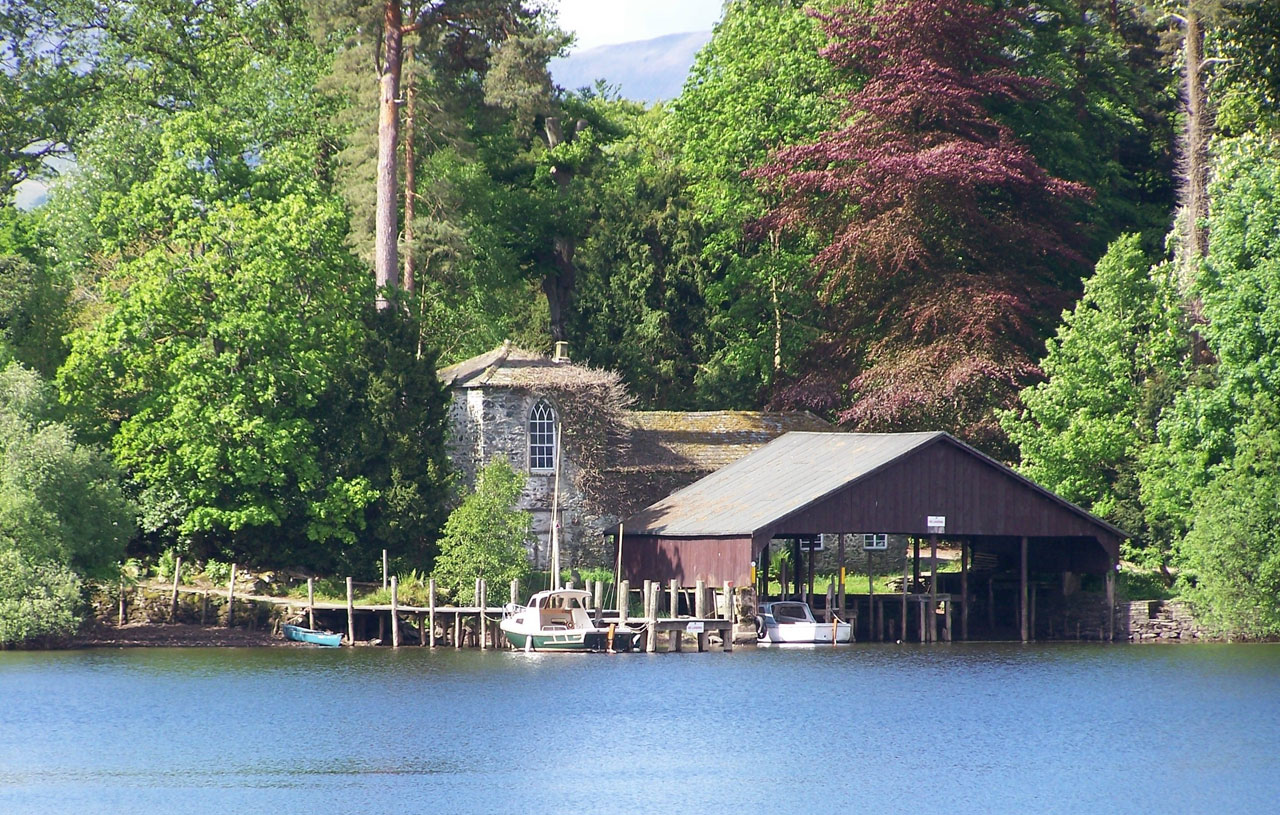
column 39, row 600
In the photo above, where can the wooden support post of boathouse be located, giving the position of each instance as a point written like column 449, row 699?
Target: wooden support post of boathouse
column 1022, row 590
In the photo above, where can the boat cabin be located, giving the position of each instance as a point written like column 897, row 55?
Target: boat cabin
column 562, row 608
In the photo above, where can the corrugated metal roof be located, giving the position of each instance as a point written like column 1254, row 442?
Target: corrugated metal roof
column 780, row 478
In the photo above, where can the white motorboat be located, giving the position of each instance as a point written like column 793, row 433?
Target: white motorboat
column 790, row 621
column 560, row 620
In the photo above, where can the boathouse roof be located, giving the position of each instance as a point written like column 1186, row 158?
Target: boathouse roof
column 811, row 483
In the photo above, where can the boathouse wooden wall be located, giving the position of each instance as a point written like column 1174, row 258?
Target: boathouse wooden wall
column 687, row 560
column 978, row 498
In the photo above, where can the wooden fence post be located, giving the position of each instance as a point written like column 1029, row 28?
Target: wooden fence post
column 173, row 599
column 231, row 596
column 351, row 612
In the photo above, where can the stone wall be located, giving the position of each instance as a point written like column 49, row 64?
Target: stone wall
column 488, row 423
column 1157, row 621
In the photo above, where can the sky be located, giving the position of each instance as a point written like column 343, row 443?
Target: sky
column 604, row 22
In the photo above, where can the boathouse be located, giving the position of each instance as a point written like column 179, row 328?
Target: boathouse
column 929, row 487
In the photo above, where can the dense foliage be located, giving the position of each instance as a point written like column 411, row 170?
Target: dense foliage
column 879, row 210
column 486, row 537
column 945, row 244
column 63, row 515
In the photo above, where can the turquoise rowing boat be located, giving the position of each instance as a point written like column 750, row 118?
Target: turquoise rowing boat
column 300, row 634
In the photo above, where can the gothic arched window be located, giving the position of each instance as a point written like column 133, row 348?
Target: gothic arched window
column 542, row 437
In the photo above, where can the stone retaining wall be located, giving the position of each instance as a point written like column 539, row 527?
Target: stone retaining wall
column 1157, row 621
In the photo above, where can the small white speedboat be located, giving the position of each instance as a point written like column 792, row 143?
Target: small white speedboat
column 789, row 621
column 560, row 620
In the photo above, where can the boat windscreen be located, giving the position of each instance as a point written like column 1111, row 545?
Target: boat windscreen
column 790, row 613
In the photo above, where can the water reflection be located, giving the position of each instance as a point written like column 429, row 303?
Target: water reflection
column 961, row 728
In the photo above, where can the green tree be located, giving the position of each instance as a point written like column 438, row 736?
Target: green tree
column 1232, row 553
column 486, row 536
column 758, row 85
column 1115, row 363
column 232, row 309
column 38, row 599
column 63, row 514
column 60, row 501
column 1238, row 288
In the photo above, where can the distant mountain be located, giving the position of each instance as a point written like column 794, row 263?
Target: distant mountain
column 646, row 70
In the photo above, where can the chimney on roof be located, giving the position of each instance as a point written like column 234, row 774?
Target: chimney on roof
column 562, row 352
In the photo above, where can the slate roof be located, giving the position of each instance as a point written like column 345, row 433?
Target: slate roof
column 704, row 441
column 782, row 477
column 797, row 471
column 507, row 366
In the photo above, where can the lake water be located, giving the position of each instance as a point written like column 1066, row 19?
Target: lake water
column 948, row 729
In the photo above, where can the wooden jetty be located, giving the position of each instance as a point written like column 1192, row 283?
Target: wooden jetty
column 435, row 625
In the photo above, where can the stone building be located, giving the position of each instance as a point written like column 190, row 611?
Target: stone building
column 558, row 421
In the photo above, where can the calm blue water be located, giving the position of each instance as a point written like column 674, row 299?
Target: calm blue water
column 946, row 729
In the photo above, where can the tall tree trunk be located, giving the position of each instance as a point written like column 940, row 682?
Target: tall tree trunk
column 386, row 261
column 559, row 286
column 1195, row 155
column 410, row 192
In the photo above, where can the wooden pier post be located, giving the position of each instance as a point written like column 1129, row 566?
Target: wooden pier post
column 922, row 615
column 946, row 625
column 122, row 616
column 599, row 600
column 351, row 612
column 1111, row 604
column 871, row 599
column 384, row 569
column 515, row 591
column 675, row 640
column 651, row 615
column 231, row 597
column 173, row 599
column 624, row 601
column 481, row 626
column 395, row 613
column 1022, row 594
column 431, row 611
column 840, row 592
column 991, row 605
column 906, row 573
column 831, row 600
column 648, row 591
column 311, row 603
column 204, row 606
column 457, row 629
column 700, row 611
column 933, row 587
column 730, row 614
column 422, row 629
column 964, row 590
